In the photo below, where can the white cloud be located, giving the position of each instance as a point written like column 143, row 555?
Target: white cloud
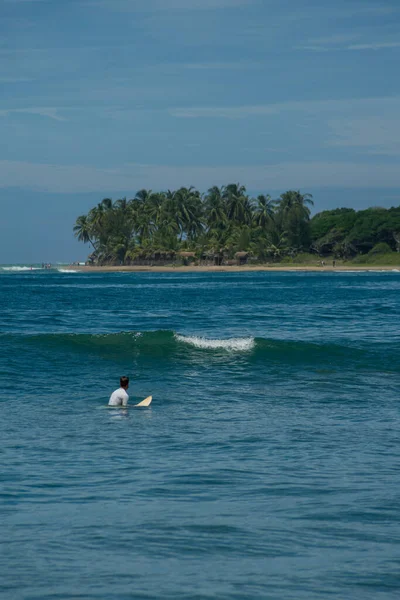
column 330, row 45
column 374, row 46
column 131, row 177
column 49, row 112
column 349, row 105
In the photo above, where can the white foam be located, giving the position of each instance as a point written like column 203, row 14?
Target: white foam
column 20, row 268
column 232, row 344
column 67, row 271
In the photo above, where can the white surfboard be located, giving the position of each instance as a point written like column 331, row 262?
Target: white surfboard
column 145, row 402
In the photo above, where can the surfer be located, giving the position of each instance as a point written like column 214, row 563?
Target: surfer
column 120, row 397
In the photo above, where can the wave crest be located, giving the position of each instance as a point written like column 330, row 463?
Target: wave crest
column 231, row 344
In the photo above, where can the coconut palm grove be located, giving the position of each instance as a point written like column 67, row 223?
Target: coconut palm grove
column 227, row 225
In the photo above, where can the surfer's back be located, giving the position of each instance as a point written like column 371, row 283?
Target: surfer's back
column 120, row 396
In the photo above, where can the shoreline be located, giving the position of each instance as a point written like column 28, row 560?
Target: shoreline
column 226, row 269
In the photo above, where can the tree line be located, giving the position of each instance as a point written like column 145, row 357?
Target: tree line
column 226, row 220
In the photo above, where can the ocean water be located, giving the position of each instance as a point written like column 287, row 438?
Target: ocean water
column 267, row 467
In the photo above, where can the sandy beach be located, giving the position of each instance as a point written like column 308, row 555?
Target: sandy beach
column 228, row 269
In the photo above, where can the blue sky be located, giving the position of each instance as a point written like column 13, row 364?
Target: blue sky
column 100, row 98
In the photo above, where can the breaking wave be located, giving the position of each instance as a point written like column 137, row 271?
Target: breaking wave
column 232, row 344
column 168, row 345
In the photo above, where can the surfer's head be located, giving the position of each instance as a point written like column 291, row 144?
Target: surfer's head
column 124, row 382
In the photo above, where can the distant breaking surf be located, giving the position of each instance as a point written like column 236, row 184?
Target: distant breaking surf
column 16, row 268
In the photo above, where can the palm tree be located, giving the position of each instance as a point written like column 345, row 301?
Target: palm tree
column 136, row 209
column 195, row 223
column 96, row 217
column 234, row 189
column 143, row 196
column 83, row 231
column 186, row 205
column 239, row 208
column 214, row 205
column 121, row 204
column 154, row 209
column 106, row 204
column 293, row 199
column 264, row 211
column 294, row 216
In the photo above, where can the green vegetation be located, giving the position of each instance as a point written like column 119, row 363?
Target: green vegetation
column 226, row 224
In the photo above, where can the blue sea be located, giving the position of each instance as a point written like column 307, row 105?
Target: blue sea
column 267, row 466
